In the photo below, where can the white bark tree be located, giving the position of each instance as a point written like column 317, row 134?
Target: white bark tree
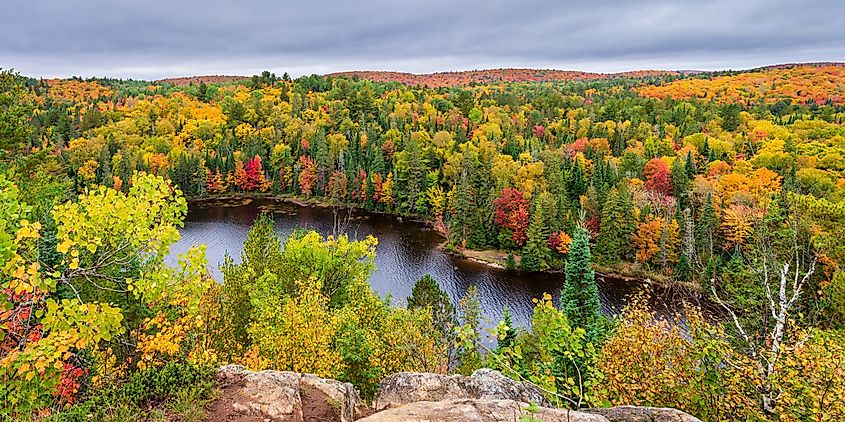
column 784, row 271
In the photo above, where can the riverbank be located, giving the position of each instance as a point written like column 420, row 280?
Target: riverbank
column 626, row 271
column 492, row 258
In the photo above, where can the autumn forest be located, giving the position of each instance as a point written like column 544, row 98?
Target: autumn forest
column 729, row 184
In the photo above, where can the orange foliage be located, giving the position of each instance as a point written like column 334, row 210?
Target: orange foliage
column 799, row 84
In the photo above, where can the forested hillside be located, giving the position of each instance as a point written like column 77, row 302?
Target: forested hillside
column 732, row 184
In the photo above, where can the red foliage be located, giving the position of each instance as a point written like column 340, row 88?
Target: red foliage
column 657, row 177
column 579, row 145
column 512, row 213
column 593, row 225
column 69, row 382
column 307, row 175
column 20, row 328
column 518, row 222
column 255, row 178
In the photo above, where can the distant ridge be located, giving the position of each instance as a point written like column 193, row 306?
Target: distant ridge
column 440, row 79
column 208, row 79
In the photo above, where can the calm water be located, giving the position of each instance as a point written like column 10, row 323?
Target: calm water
column 406, row 251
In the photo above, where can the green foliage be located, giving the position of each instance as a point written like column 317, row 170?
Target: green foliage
column 580, row 296
column 144, row 390
column 15, row 111
column 294, row 322
column 614, row 240
column 536, row 256
column 112, row 247
column 554, row 355
column 469, row 332
column 744, row 162
column 427, row 294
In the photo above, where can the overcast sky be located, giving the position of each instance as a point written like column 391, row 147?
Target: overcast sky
column 151, row 39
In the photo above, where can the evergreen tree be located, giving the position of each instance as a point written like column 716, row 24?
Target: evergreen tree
column 690, row 166
column 706, row 227
column 705, row 150
column 683, row 271
column 459, row 226
column 679, row 180
column 576, row 180
column 579, row 298
column 510, row 262
column 483, row 233
column 428, row 294
column 730, row 117
column 614, row 239
column 536, row 255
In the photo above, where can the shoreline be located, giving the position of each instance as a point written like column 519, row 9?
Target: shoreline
column 490, row 258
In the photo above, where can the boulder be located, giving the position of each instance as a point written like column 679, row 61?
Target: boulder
column 643, row 414
column 406, row 387
column 477, row 410
column 282, row 396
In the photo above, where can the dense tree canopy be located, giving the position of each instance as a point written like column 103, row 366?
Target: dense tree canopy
column 732, row 185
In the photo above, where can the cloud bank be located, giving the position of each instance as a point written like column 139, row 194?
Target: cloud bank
column 154, row 38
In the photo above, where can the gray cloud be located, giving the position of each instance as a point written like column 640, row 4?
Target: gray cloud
column 156, row 38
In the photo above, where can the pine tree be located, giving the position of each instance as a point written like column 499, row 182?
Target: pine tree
column 579, row 298
column 614, row 239
column 536, row 255
column 705, row 229
column 428, row 294
column 459, row 226
column 690, row 166
column 576, row 180
column 680, row 182
column 683, row 271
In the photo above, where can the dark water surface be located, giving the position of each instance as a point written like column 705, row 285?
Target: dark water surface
column 406, row 251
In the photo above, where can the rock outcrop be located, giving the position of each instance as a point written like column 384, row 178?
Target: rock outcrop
column 408, row 387
column 477, row 410
column 485, row 396
column 283, row 396
column 643, row 414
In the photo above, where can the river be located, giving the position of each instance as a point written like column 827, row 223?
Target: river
column 406, row 251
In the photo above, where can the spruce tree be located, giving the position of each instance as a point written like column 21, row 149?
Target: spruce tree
column 428, row 294
column 459, row 227
column 614, row 239
column 683, row 271
column 579, row 298
column 679, row 180
column 690, row 166
column 536, row 255
column 706, row 227
column 576, row 180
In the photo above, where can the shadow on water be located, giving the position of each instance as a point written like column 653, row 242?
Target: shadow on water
column 406, row 251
